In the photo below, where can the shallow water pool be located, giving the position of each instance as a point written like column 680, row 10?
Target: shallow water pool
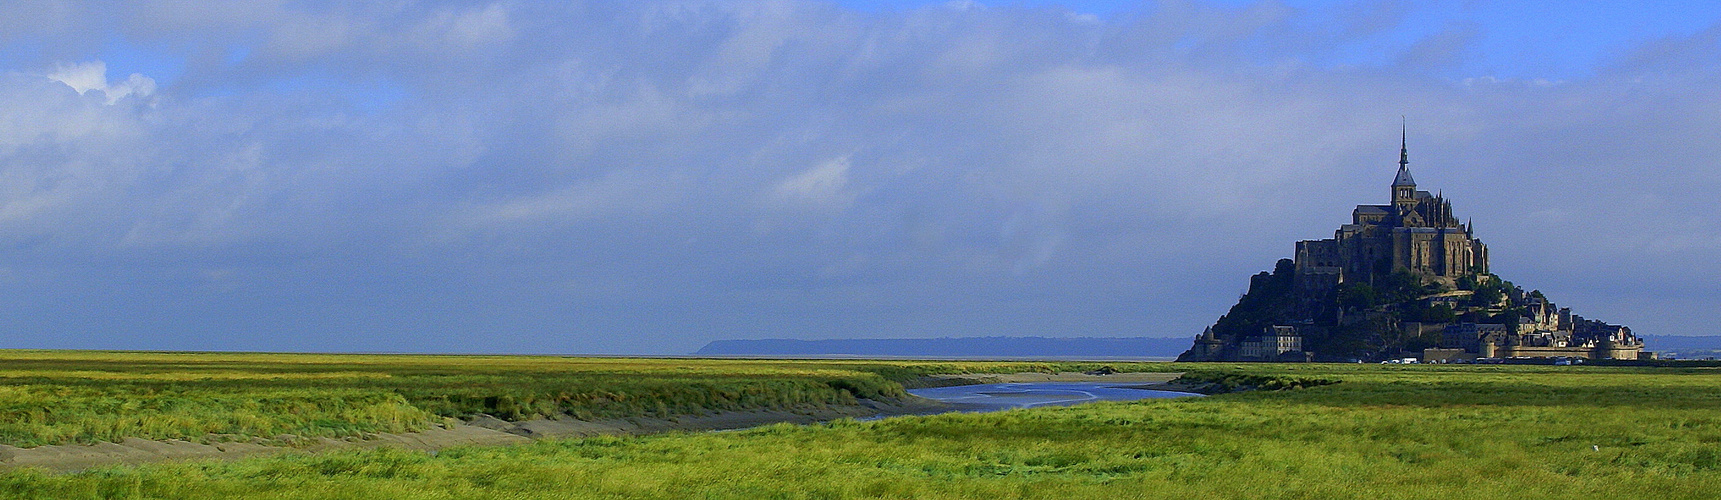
column 994, row 397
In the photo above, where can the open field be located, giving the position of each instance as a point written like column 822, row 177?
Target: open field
column 1382, row 432
column 57, row 397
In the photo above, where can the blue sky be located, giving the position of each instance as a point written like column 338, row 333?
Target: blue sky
column 1508, row 38
column 1520, row 39
column 644, row 177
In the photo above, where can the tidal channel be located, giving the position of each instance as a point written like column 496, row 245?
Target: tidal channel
column 996, row 397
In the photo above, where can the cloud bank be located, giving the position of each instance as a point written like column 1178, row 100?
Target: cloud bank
column 643, row 177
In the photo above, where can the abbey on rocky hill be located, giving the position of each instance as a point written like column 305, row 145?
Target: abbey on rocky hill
column 1416, row 233
column 1407, row 279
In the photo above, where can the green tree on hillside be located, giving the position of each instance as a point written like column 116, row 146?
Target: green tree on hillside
column 1488, row 293
column 1401, row 286
column 1268, row 300
column 1357, row 295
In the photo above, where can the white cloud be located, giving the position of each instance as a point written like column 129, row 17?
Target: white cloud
column 618, row 194
column 465, row 31
column 824, row 184
column 84, row 77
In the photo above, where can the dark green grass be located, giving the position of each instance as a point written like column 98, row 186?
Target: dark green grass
column 56, row 397
column 1382, row 432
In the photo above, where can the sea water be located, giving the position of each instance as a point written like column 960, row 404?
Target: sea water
column 995, row 397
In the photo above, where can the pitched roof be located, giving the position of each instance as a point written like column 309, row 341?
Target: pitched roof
column 1403, row 178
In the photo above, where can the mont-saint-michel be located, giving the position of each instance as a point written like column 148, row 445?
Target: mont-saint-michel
column 1405, row 279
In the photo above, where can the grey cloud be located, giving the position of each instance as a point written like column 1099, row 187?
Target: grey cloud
column 1365, row 18
column 647, row 176
column 1444, row 49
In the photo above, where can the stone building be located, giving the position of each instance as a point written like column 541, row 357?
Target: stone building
column 1416, row 232
column 1296, row 309
column 1208, row 347
column 1547, row 331
column 1274, row 341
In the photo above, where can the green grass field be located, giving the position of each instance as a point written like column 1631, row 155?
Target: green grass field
column 57, row 397
column 1382, row 432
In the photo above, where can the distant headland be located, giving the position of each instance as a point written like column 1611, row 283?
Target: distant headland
column 1406, row 279
column 960, row 347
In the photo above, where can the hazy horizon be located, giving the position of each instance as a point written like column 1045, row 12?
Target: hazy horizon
column 646, row 177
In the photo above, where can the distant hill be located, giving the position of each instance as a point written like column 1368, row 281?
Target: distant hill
column 965, row 347
column 1681, row 347
column 1675, row 342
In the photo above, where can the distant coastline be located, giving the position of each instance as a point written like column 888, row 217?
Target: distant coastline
column 1045, row 348
column 1148, row 348
column 1684, row 347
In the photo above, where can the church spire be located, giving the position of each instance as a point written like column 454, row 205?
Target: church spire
column 1404, row 146
column 1403, row 178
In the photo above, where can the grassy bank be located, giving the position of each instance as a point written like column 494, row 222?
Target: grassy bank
column 55, row 397
column 1382, row 432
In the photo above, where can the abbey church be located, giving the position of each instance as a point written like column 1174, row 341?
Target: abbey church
column 1406, row 279
column 1417, row 232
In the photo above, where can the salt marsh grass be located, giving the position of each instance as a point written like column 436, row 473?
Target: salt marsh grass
column 1381, row 432
column 57, row 397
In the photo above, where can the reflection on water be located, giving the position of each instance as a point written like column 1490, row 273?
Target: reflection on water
column 994, row 397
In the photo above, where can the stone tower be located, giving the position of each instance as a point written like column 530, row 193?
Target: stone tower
column 1403, row 185
column 1417, row 233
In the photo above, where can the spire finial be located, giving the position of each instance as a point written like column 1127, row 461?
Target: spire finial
column 1403, row 142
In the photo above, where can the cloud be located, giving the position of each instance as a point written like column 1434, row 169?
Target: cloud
column 93, row 75
column 1443, row 49
column 616, row 195
column 822, row 184
column 646, row 176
